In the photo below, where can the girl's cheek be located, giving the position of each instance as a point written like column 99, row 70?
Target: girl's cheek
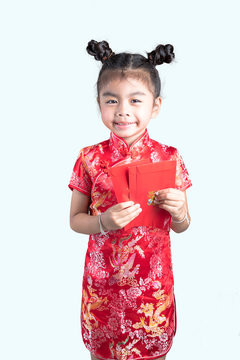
column 106, row 112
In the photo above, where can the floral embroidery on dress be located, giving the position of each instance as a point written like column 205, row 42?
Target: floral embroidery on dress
column 104, row 165
column 128, row 308
column 155, row 315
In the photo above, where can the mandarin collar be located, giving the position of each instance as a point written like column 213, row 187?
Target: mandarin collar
column 121, row 146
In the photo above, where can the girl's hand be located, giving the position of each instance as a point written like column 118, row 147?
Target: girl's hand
column 117, row 216
column 173, row 201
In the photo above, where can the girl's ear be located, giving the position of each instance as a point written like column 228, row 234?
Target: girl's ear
column 156, row 107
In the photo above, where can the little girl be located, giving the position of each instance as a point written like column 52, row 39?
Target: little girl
column 128, row 305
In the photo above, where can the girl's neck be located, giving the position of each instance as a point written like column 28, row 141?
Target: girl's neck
column 132, row 139
column 129, row 141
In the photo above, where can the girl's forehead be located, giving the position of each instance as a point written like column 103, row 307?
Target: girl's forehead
column 126, row 79
column 125, row 84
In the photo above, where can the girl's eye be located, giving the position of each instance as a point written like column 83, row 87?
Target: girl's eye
column 135, row 100
column 111, row 102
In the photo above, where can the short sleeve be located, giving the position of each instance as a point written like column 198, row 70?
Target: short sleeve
column 80, row 179
column 183, row 181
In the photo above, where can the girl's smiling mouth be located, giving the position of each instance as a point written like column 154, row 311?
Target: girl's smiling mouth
column 124, row 125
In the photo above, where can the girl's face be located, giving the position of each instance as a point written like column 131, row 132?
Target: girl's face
column 127, row 106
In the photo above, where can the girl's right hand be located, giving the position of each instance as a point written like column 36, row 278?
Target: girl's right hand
column 117, row 216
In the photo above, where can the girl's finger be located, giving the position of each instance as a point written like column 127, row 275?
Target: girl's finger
column 168, row 202
column 122, row 205
column 131, row 214
column 168, row 191
column 169, row 196
column 126, row 220
column 170, row 209
column 118, row 217
column 130, row 210
column 120, row 213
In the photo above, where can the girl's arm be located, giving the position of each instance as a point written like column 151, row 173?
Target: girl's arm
column 175, row 202
column 80, row 221
column 184, row 225
column 115, row 217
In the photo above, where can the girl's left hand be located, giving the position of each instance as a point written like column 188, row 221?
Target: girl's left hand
column 171, row 200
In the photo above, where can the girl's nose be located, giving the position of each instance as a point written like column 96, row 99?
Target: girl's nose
column 123, row 109
column 122, row 114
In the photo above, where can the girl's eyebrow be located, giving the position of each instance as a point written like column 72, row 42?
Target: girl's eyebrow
column 109, row 93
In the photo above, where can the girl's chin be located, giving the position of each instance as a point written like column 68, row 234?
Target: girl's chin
column 126, row 134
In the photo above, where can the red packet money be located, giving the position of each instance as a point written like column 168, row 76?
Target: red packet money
column 144, row 180
column 120, row 179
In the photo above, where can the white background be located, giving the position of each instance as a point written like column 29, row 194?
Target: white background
column 49, row 112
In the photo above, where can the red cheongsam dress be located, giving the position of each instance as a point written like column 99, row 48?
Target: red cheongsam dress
column 128, row 306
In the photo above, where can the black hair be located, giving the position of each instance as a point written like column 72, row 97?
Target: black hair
column 126, row 62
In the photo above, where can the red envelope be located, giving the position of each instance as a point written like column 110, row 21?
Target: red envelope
column 144, row 180
column 138, row 181
column 120, row 179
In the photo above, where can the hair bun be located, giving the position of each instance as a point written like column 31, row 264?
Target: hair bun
column 162, row 53
column 100, row 50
